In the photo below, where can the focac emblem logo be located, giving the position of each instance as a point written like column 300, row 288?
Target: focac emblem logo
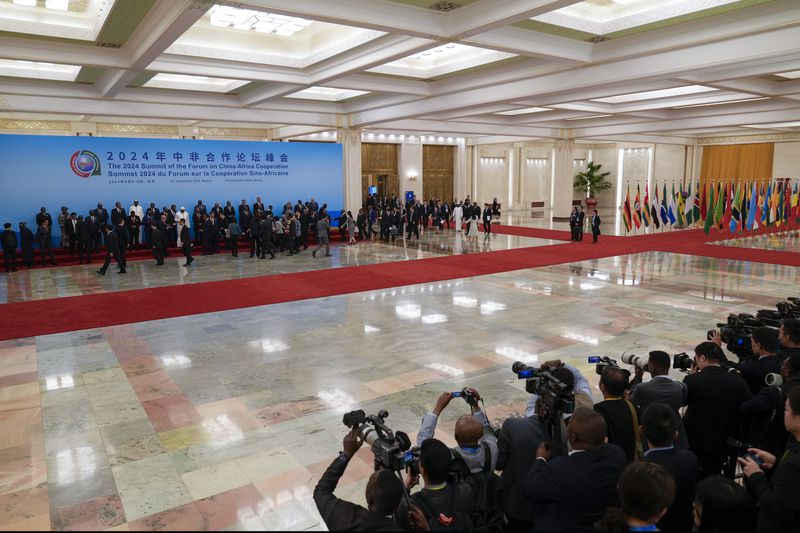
column 85, row 163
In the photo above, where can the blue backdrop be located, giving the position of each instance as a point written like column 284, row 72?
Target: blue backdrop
column 48, row 171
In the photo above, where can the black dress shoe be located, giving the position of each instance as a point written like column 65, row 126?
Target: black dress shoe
column 100, row 272
column 123, row 271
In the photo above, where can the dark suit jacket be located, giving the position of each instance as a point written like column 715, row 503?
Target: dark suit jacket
column 714, row 400
column 665, row 390
column 595, row 224
column 117, row 214
column 339, row 514
column 621, row 424
column 684, row 468
column 70, row 227
column 779, row 497
column 102, row 216
column 570, row 493
column 754, row 372
column 83, row 231
column 112, row 243
column 40, row 217
column 517, row 445
column 186, row 240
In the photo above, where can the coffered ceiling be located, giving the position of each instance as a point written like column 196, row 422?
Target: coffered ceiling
column 639, row 70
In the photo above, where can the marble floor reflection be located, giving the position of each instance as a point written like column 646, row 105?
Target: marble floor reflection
column 39, row 284
column 784, row 242
column 225, row 421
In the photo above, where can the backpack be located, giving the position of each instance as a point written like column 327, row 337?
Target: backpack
column 485, row 485
column 448, row 521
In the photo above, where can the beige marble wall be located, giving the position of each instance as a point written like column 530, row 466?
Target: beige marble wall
column 786, row 160
column 492, row 177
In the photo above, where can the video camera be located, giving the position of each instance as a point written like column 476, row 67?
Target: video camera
column 391, row 449
column 601, row 363
column 682, row 361
column 556, row 396
column 737, row 331
column 469, row 397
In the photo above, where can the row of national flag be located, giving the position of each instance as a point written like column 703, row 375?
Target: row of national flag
column 728, row 206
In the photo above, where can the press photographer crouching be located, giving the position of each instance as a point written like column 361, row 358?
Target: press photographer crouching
column 778, row 495
column 714, row 401
column 384, row 494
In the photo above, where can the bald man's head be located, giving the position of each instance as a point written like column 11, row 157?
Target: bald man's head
column 586, row 429
column 468, row 431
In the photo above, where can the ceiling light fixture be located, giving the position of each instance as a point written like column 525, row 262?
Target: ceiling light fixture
column 650, row 95
column 60, row 5
column 523, row 111
column 27, row 3
column 248, row 19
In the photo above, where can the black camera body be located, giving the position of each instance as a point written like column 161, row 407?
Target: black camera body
column 391, row 449
column 601, row 363
column 555, row 395
column 682, row 361
column 469, row 397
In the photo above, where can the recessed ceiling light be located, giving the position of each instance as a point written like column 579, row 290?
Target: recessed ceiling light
column 588, row 116
column 723, row 102
column 249, row 19
column 330, row 94
column 775, row 125
column 38, row 70
column 793, row 75
column 523, row 111
column 650, row 95
column 193, row 83
column 28, row 3
column 60, row 5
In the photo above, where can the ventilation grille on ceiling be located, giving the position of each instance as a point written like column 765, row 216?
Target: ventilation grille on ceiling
column 597, row 39
column 444, row 5
column 107, row 45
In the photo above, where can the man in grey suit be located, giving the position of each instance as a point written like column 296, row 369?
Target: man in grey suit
column 661, row 388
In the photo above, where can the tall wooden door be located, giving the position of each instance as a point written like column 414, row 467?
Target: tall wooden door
column 437, row 172
column 379, row 169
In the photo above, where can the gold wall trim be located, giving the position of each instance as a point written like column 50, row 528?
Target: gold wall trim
column 35, row 125
column 158, row 129
column 235, row 132
column 739, row 139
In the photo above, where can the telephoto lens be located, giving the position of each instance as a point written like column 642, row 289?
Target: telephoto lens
column 773, row 380
column 633, row 359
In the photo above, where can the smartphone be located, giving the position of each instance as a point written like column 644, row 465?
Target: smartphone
column 750, row 455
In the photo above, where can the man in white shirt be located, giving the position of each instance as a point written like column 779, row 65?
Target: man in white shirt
column 137, row 209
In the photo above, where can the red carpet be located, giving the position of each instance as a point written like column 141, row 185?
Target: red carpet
column 26, row 319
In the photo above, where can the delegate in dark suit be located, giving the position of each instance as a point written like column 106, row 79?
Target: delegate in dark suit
column 157, row 244
column 85, row 238
column 9, row 241
column 26, row 240
column 113, row 250
column 579, row 228
column 684, row 468
column 43, row 239
column 186, row 243
column 595, row 226
column 571, row 492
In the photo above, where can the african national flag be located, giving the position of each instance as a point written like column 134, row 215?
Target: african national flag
column 671, row 209
column 626, row 211
column 796, row 201
column 679, row 206
column 709, row 220
column 704, row 200
column 726, row 218
column 696, row 205
column 636, row 213
column 663, row 208
column 719, row 211
column 654, row 208
column 646, row 207
column 753, row 207
column 688, row 206
column 787, row 202
column 764, row 203
column 736, row 213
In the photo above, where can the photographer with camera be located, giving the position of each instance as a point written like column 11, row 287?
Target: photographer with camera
column 661, row 388
column 580, row 387
column 384, row 493
column 518, row 437
column 571, row 492
column 620, row 414
column 660, row 428
column 475, row 457
column 714, row 400
column 778, row 495
column 789, row 337
column 763, row 344
column 444, row 504
column 476, row 440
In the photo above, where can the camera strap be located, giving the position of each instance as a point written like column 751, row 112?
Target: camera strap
column 639, row 450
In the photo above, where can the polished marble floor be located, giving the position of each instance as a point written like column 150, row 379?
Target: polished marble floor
column 227, row 420
column 784, row 242
column 39, row 284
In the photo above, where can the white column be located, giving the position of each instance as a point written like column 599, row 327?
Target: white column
column 351, row 167
column 460, row 170
column 563, row 166
column 410, row 166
